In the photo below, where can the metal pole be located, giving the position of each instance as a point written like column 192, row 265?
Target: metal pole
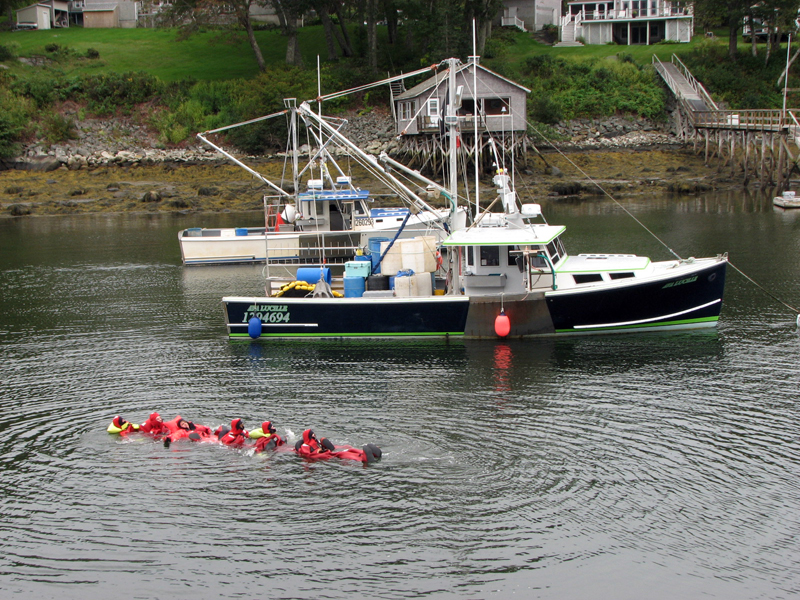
column 786, row 80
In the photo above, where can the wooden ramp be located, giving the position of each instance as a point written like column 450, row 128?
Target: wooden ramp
column 682, row 83
column 759, row 144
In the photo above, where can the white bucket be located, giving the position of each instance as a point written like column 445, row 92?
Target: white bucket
column 393, row 261
column 419, row 254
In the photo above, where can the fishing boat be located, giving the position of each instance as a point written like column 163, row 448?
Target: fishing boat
column 330, row 220
column 786, row 200
column 506, row 274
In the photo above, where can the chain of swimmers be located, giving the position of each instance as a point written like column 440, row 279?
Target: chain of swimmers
column 266, row 437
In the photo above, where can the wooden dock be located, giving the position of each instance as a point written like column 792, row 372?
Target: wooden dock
column 761, row 144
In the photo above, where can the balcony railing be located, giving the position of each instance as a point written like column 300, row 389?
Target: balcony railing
column 629, row 13
column 466, row 123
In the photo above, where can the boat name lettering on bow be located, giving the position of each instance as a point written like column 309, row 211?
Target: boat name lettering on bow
column 680, row 282
column 268, row 313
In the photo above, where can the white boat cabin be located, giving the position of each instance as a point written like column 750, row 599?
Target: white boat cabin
column 339, row 208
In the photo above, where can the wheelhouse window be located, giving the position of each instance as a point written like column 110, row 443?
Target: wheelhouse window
column 490, row 256
column 587, row 277
column 556, row 250
column 620, row 275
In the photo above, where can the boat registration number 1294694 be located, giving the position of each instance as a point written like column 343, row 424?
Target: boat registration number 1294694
column 267, row 313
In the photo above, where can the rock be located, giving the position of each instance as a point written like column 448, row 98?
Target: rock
column 19, row 210
column 42, row 163
column 151, row 196
column 207, row 191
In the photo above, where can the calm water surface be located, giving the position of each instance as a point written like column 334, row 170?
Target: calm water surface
column 639, row 466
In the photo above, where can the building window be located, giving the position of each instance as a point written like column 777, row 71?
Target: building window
column 495, row 106
column 407, row 110
column 433, row 107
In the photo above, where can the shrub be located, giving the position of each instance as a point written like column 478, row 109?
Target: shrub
column 6, row 53
column 544, row 110
column 58, row 128
column 91, row 53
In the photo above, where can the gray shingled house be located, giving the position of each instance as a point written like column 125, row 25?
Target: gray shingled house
column 501, row 103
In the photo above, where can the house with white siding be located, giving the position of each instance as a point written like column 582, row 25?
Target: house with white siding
column 627, row 22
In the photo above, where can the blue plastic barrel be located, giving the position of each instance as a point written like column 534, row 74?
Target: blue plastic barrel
column 241, row 231
column 311, row 275
column 363, row 257
column 353, row 287
column 375, row 252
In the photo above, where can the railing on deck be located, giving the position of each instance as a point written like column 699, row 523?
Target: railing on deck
column 696, row 85
column 629, row 13
column 750, row 119
column 512, row 22
column 466, row 123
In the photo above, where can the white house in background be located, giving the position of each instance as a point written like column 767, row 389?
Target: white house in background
column 530, row 15
column 47, row 14
column 627, row 22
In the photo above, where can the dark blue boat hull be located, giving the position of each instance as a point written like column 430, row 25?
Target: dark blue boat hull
column 687, row 300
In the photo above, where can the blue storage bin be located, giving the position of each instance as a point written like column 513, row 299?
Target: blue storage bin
column 354, row 287
column 311, row 275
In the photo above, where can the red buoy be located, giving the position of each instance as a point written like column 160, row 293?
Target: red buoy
column 502, row 324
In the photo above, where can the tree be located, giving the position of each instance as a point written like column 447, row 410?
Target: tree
column 289, row 13
column 190, row 15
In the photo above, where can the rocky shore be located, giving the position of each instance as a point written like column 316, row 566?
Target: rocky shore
column 122, row 142
column 120, row 166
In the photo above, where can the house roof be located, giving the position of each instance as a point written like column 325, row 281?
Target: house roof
column 431, row 82
column 32, row 5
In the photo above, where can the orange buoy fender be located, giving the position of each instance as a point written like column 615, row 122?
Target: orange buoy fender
column 502, row 324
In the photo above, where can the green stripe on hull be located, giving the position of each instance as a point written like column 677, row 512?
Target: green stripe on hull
column 353, row 335
column 641, row 325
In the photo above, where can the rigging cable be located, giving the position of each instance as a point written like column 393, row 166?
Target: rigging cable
column 600, row 187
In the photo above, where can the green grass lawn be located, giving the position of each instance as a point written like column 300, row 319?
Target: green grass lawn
column 208, row 55
column 523, row 45
column 215, row 55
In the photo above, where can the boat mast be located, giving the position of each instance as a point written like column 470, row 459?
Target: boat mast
column 291, row 105
column 475, row 118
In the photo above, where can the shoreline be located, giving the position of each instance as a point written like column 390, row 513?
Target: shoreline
column 628, row 157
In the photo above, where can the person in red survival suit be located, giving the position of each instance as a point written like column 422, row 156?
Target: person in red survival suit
column 154, row 425
column 179, row 428
column 237, row 434
column 266, row 437
column 122, row 427
column 311, row 445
